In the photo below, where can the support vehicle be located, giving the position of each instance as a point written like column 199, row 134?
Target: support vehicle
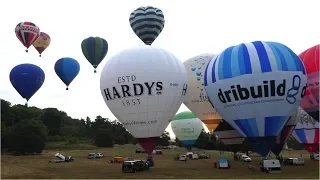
column 134, row 166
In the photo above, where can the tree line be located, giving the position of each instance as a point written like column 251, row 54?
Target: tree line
column 28, row 130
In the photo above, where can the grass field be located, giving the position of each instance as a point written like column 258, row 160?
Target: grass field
column 37, row 166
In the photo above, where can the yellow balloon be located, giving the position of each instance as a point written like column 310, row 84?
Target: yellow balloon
column 42, row 42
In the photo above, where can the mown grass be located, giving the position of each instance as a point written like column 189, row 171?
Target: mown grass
column 37, row 166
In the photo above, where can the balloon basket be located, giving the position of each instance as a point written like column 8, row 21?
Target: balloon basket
column 26, row 50
column 95, row 71
column 67, row 88
column 39, row 55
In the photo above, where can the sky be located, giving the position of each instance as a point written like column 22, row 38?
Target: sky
column 191, row 28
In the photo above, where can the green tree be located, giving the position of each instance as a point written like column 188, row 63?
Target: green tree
column 164, row 139
column 52, row 118
column 27, row 136
column 104, row 138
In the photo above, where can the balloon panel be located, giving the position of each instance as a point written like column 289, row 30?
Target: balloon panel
column 27, row 79
column 284, row 134
column 196, row 98
column 94, row 49
column 307, row 131
column 147, row 23
column 261, row 83
column 227, row 134
column 67, row 69
column 144, row 88
column 27, row 33
column 310, row 103
column 213, row 126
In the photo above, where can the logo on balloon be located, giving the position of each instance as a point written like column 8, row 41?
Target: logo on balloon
column 132, row 89
column 266, row 89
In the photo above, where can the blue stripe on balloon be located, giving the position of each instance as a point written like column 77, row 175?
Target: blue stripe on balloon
column 282, row 58
column 221, row 66
column 213, row 70
column 91, row 44
column 276, row 56
column 301, row 135
column 205, row 76
column 290, row 62
column 274, row 124
column 263, row 56
column 248, row 126
column 227, row 71
column 188, row 142
column 246, row 59
column 235, row 64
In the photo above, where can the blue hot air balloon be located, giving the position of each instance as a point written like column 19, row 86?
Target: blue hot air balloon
column 67, row 69
column 27, row 79
column 256, row 87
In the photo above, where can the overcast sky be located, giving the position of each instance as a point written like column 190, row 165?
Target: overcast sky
column 191, row 28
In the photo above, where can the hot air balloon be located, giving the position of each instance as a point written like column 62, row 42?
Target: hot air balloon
column 311, row 60
column 42, row 42
column 187, row 128
column 147, row 23
column 196, row 98
column 256, row 87
column 27, row 33
column 284, row 134
column 95, row 50
column 67, row 69
column 27, row 79
column 307, row 131
column 229, row 136
column 144, row 88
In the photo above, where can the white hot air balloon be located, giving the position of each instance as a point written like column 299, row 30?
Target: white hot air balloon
column 187, row 128
column 196, row 98
column 144, row 88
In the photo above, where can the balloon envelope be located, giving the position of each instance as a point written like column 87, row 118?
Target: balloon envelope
column 307, row 131
column 196, row 98
column 144, row 88
column 187, row 128
column 67, row 69
column 284, row 134
column 147, row 23
column 229, row 136
column 311, row 60
column 95, row 50
column 27, row 33
column 256, row 87
column 42, row 42
column 27, row 79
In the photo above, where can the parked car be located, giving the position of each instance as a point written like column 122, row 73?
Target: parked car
column 245, row 158
column 288, row 161
column 92, row 156
column 204, row 156
column 133, row 166
column 140, row 151
column 99, row 155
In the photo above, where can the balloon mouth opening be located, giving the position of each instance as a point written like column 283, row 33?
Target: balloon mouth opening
column 148, row 144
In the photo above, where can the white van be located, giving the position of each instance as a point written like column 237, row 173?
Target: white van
column 270, row 166
column 195, row 156
column 298, row 161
